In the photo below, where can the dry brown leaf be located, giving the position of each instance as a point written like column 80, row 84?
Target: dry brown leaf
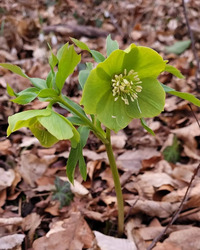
column 152, row 208
column 150, row 182
column 118, row 140
column 131, row 160
column 5, row 147
column 110, row 243
column 187, row 134
column 30, row 223
column 11, row 241
column 6, row 178
column 186, row 238
column 32, row 168
column 68, row 234
column 167, row 246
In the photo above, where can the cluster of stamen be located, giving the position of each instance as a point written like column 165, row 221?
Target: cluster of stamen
column 126, row 85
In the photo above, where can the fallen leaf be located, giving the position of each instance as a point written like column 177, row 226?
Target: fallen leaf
column 72, row 233
column 110, row 243
column 6, row 178
column 11, row 241
column 131, row 160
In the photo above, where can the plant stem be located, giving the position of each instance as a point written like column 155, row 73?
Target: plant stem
column 118, row 189
column 95, row 130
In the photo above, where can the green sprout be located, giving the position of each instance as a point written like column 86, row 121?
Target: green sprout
column 122, row 87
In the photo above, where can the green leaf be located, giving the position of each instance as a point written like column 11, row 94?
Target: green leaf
column 174, row 71
column 178, row 47
column 53, row 60
column 23, row 119
column 37, row 82
column 61, row 50
column 45, row 138
column 98, row 57
column 83, row 74
column 59, row 126
column 172, row 153
column 111, row 45
column 145, row 126
column 15, row 69
column 74, row 105
column 76, row 156
column 48, row 93
column 72, row 162
column 67, row 63
column 186, row 96
column 10, row 91
column 25, row 98
column 80, row 44
column 63, row 192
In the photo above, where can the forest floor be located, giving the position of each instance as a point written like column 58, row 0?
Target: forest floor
column 155, row 171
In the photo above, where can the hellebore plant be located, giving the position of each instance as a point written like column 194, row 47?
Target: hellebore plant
column 120, row 88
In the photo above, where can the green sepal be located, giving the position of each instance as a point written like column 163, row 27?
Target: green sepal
column 98, row 57
column 145, row 126
column 83, row 74
column 174, row 71
column 67, row 63
column 37, row 82
column 186, row 96
column 111, row 45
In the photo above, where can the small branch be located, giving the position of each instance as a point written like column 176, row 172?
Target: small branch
column 175, row 216
column 197, row 74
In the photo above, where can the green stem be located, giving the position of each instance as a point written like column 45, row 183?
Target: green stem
column 95, row 130
column 118, row 189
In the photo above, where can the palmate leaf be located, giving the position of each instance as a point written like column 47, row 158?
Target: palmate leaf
column 172, row 153
column 83, row 74
column 63, row 192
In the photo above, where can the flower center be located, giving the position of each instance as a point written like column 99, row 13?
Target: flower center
column 126, row 86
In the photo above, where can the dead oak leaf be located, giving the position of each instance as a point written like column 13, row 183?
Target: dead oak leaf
column 68, row 234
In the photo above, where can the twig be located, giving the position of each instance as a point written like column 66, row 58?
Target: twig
column 175, row 216
column 193, row 45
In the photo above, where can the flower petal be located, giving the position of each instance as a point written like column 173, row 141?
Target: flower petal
column 150, row 102
column 112, row 113
column 147, row 62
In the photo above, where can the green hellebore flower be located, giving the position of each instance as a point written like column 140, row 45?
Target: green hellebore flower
column 125, row 86
column 46, row 125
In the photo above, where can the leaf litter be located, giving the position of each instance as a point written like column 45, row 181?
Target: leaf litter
column 153, row 184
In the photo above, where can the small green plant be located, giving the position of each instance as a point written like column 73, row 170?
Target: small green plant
column 63, row 192
column 122, row 87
